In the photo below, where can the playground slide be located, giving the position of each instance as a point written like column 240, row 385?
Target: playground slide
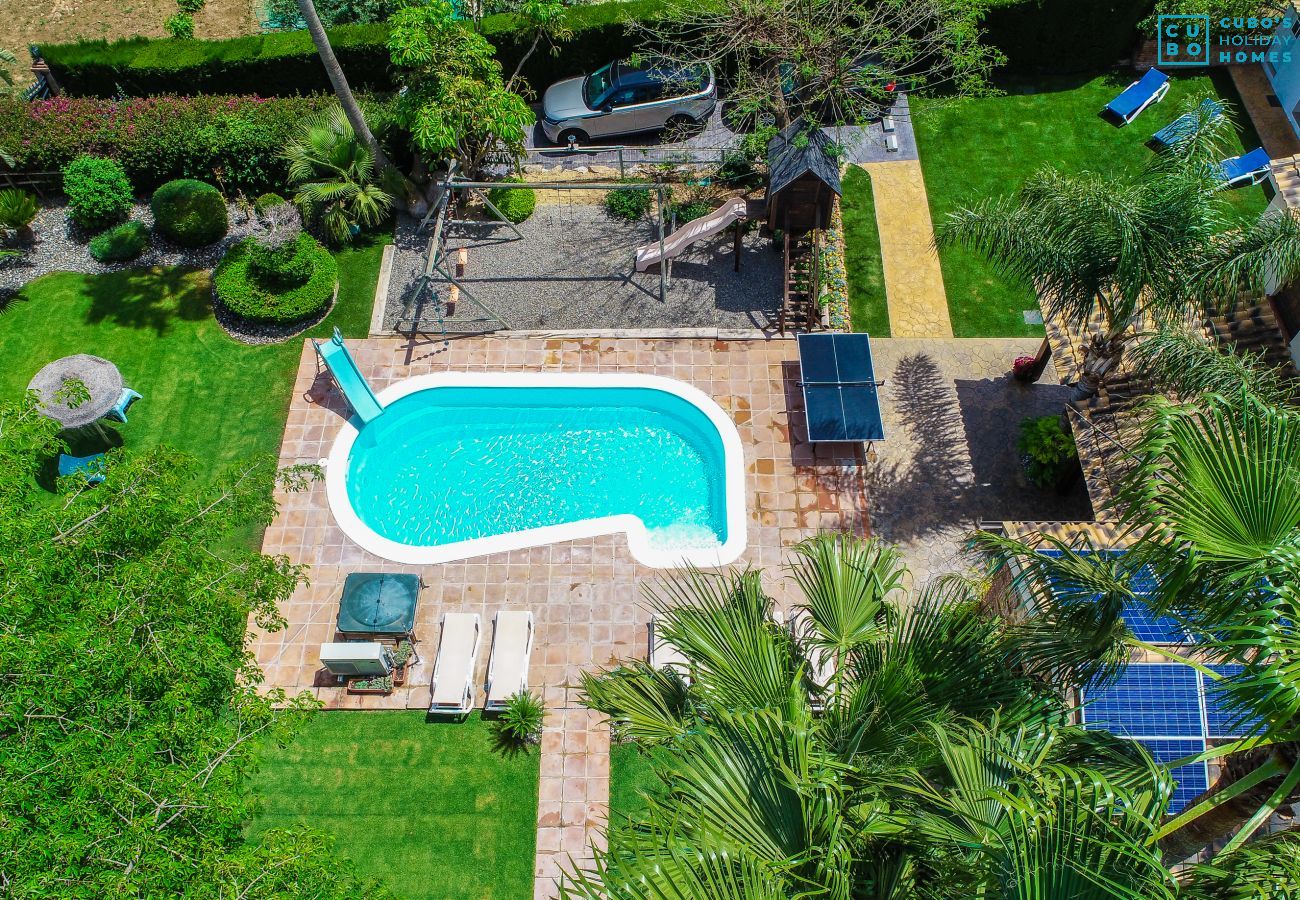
column 348, row 377
column 693, row 231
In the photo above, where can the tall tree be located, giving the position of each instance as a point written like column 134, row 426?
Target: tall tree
column 130, row 712
column 833, row 61
column 1104, row 250
column 339, row 81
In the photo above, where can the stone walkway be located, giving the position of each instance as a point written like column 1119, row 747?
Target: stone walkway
column 918, row 306
column 1275, row 131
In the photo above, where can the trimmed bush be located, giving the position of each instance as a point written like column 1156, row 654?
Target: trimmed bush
column 190, row 213
column 266, row 201
column 98, row 191
column 120, row 243
column 286, row 62
column 516, row 204
column 232, row 141
column 281, row 266
column 629, row 205
column 242, row 291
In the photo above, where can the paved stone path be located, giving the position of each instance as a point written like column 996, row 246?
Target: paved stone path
column 918, row 306
column 573, row 799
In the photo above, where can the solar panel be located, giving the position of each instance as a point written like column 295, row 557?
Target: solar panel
column 1222, row 722
column 1189, row 781
column 839, row 388
column 1157, row 700
column 1145, row 624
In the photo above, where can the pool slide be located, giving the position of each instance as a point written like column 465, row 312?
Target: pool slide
column 348, row 377
column 693, row 231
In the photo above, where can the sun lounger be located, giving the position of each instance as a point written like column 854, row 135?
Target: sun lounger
column 1150, row 88
column 452, row 693
column 124, row 401
column 1249, row 168
column 91, row 466
column 512, row 643
column 1184, row 126
column 664, row 654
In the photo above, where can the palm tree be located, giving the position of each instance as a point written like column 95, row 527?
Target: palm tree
column 1215, row 503
column 339, row 81
column 932, row 760
column 1102, row 249
column 336, row 177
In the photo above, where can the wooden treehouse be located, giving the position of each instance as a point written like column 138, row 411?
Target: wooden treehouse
column 803, row 184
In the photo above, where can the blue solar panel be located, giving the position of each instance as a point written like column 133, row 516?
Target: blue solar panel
column 1221, row 721
column 839, row 388
column 1148, row 700
column 1145, row 624
column 1189, row 781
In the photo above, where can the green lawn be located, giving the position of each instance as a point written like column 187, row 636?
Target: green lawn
column 431, row 807
column 204, row 393
column 862, row 261
column 631, row 780
column 988, row 146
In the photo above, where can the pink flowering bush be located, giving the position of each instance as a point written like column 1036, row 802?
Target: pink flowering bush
column 234, row 142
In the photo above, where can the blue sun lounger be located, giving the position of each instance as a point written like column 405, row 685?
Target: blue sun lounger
column 1249, row 168
column 1150, row 88
column 1184, row 126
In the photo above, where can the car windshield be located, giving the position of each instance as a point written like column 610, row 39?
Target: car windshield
column 597, row 83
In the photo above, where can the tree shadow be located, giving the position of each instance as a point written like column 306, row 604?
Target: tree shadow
column 148, row 298
column 98, row 437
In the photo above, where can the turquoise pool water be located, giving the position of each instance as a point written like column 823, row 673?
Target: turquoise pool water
column 455, row 463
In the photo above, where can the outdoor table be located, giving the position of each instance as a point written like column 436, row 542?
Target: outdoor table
column 102, row 380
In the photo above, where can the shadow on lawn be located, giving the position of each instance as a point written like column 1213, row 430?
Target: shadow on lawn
column 149, row 298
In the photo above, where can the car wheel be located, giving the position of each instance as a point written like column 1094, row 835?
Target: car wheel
column 573, row 137
column 680, row 124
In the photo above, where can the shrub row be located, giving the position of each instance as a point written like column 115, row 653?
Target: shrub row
column 1076, row 36
column 285, row 63
column 234, row 142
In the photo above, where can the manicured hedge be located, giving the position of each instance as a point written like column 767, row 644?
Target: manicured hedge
column 234, row 142
column 244, row 294
column 285, row 63
column 121, row 243
column 280, row 64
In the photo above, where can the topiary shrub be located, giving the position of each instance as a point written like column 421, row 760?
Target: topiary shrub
column 123, row 242
column 516, row 204
column 630, row 204
column 266, row 201
column 99, row 194
column 190, row 213
column 247, row 291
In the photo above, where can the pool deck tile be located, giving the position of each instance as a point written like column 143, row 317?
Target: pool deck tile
column 587, row 594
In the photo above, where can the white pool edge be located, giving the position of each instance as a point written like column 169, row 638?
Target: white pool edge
column 638, row 538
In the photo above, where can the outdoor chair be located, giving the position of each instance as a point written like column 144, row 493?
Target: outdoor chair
column 512, row 644
column 1249, row 168
column 124, row 401
column 91, row 466
column 1150, row 88
column 665, row 655
column 1184, row 126
column 452, row 692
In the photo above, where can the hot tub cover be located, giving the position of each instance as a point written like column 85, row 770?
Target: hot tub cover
column 378, row 603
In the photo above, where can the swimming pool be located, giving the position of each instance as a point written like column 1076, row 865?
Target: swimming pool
column 462, row 464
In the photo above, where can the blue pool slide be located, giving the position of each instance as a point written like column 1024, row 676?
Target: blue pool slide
column 348, row 377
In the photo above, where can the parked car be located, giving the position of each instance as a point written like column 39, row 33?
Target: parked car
column 621, row 98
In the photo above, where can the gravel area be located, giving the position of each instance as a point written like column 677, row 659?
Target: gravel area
column 60, row 247
column 573, row 270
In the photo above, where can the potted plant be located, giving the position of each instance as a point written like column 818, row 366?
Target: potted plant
column 401, row 657
column 371, row 684
column 1048, row 453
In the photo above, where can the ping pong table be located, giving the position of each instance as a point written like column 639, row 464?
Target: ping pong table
column 839, row 388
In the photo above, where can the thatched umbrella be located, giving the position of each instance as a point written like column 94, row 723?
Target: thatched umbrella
column 59, row 398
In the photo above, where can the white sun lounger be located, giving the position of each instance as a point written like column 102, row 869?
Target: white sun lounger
column 452, row 693
column 512, row 644
column 664, row 654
